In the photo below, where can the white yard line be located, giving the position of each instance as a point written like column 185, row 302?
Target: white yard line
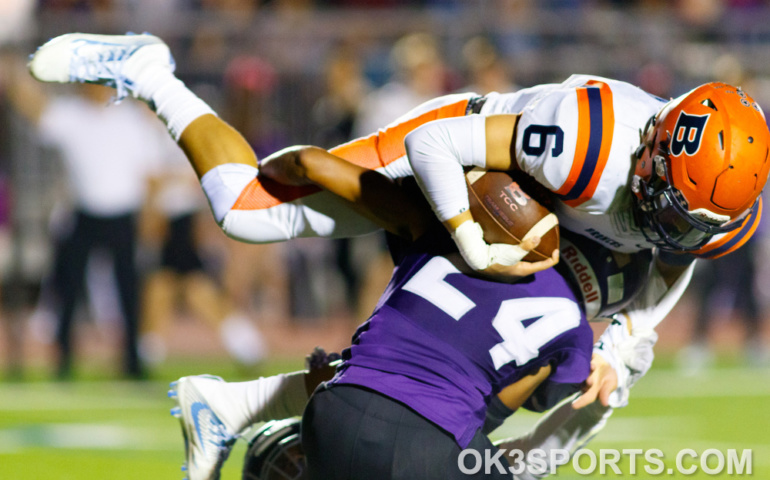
column 83, row 436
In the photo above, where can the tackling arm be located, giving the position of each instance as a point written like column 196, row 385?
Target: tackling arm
column 395, row 207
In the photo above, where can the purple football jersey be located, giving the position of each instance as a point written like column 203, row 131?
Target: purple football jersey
column 443, row 342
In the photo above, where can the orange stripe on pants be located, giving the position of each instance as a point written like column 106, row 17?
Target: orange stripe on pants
column 375, row 151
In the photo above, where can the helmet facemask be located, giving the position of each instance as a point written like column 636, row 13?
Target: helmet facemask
column 661, row 210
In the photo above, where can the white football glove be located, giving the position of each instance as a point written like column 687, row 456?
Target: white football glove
column 478, row 254
column 630, row 354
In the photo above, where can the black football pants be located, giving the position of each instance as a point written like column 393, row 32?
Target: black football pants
column 352, row 433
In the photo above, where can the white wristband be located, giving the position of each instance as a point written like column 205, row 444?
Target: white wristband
column 470, row 241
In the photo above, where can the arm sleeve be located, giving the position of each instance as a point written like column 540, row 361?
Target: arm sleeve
column 438, row 151
column 656, row 300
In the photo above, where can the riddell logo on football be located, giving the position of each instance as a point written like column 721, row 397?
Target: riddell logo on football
column 514, row 196
column 585, row 276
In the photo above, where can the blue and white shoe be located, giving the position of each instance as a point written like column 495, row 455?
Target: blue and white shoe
column 113, row 60
column 208, row 436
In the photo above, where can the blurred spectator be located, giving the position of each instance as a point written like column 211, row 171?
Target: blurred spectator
column 208, row 53
column 107, row 159
column 345, row 88
column 255, row 276
column 486, row 71
column 108, row 168
column 250, row 83
column 355, row 259
column 656, row 78
column 182, row 275
column 418, row 76
column 700, row 12
column 724, row 289
column 15, row 20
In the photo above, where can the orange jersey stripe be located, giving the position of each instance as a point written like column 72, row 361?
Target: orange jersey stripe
column 375, row 151
column 596, row 125
column 584, row 133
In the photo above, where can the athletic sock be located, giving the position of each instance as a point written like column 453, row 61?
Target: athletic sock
column 277, row 397
column 267, row 398
column 175, row 104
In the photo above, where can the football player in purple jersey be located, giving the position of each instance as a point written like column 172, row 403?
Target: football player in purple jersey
column 442, row 347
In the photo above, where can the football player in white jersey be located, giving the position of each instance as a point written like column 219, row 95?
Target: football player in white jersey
column 628, row 170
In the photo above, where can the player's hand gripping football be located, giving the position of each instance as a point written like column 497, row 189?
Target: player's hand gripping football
column 497, row 259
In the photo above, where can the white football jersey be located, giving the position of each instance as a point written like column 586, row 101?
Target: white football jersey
column 577, row 139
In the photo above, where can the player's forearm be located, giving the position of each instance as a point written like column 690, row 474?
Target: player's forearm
column 394, row 207
column 657, row 298
column 561, row 429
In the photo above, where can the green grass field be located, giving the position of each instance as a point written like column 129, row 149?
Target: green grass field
column 95, row 428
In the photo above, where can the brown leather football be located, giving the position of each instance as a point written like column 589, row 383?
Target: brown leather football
column 501, row 203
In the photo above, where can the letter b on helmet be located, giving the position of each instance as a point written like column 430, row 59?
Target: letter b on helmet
column 688, row 133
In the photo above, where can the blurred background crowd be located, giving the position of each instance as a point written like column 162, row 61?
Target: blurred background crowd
column 107, row 248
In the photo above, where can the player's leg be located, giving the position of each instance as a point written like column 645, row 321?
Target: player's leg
column 227, row 409
column 247, row 208
column 141, row 65
column 252, row 208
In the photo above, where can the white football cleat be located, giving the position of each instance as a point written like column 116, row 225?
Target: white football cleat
column 208, row 436
column 112, row 60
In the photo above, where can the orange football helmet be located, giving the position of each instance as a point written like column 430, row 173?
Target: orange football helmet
column 701, row 166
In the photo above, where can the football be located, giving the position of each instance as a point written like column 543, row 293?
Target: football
column 503, row 204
